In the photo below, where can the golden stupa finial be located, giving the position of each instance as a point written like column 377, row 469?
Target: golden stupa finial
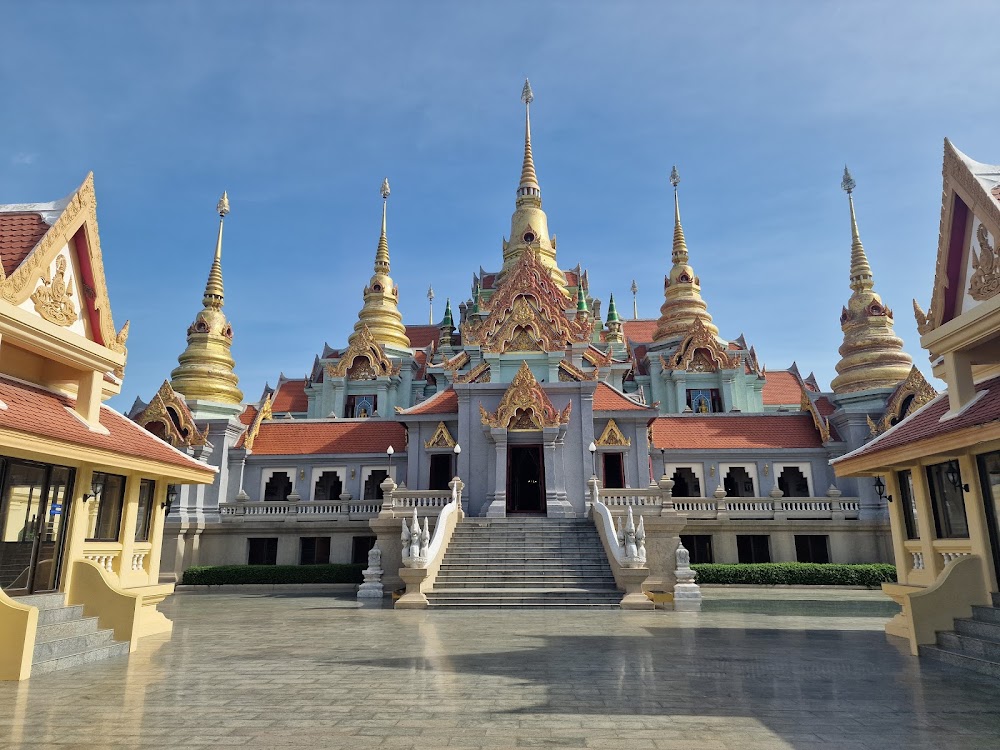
column 205, row 369
column 382, row 253
column 214, row 294
column 683, row 305
column 680, row 249
column 380, row 313
column 872, row 354
column 861, row 271
column 529, row 180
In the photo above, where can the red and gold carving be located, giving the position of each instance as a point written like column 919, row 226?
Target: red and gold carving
column 700, row 351
column 373, row 362
column 525, row 406
column 168, row 416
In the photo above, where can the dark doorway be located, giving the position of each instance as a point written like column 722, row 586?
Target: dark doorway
column 614, row 470
column 525, row 479
column 440, row 471
column 989, row 478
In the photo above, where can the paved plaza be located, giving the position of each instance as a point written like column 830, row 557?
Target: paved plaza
column 294, row 671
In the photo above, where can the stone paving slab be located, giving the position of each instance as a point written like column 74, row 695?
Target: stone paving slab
column 294, row 671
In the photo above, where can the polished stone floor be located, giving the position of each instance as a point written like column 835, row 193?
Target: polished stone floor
column 292, row 671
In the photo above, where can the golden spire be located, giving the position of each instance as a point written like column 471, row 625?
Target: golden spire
column 681, row 287
column 205, row 369
column 380, row 313
column 872, row 355
column 529, row 180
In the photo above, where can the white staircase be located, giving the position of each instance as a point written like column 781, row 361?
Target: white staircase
column 974, row 644
column 65, row 638
column 525, row 562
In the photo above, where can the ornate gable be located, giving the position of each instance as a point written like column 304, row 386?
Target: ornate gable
column 441, row 438
column 909, row 396
column 822, row 423
column 363, row 360
column 478, row 374
column 570, row 373
column 44, row 278
column 525, row 406
column 700, row 351
column 167, row 416
column 527, row 313
column 613, row 437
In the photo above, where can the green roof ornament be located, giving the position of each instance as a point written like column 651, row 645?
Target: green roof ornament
column 612, row 311
column 581, row 299
column 448, row 321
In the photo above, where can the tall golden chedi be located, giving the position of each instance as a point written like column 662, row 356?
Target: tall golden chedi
column 681, row 287
column 872, row 354
column 529, row 226
column 205, row 374
column 380, row 314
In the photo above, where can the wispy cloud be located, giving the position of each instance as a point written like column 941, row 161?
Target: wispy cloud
column 23, row 158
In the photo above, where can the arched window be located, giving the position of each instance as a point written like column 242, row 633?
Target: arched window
column 738, row 482
column 328, row 487
column 793, row 483
column 686, row 483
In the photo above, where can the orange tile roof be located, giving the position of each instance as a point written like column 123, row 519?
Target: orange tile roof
column 421, row 336
column 442, row 402
column 781, row 387
column 247, row 415
column 824, row 406
column 607, row 398
column 698, row 432
column 35, row 411
column 19, row 233
column 290, row 437
column 640, row 331
column 290, row 397
column 926, row 421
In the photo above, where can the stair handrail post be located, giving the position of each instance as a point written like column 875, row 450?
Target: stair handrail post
column 594, row 485
column 457, row 485
column 666, row 485
column 388, row 489
column 687, row 593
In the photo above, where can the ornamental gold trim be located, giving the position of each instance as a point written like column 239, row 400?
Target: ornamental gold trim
column 613, row 437
column 264, row 412
column 441, row 438
column 365, row 347
column 985, row 281
column 525, row 406
column 915, row 385
column 54, row 296
column 171, row 410
column 700, row 351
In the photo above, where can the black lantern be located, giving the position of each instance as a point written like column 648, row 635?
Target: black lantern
column 173, row 492
column 96, row 486
column 954, row 475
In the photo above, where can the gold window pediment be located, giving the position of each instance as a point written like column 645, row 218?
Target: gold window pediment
column 441, row 438
column 613, row 437
column 525, row 406
column 363, row 360
column 169, row 409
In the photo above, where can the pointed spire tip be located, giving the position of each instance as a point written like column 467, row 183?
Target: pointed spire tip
column 527, row 95
column 675, row 177
column 223, row 205
column 385, row 189
column 847, row 184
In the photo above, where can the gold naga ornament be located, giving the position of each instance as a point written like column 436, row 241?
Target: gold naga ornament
column 54, row 297
column 263, row 413
column 525, row 406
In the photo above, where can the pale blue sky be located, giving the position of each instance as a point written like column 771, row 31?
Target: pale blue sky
column 300, row 109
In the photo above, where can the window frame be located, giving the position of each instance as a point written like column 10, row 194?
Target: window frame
column 942, row 495
column 144, row 516
column 100, row 500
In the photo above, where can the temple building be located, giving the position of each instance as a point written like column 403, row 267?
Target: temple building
column 542, row 404
column 939, row 464
column 83, row 490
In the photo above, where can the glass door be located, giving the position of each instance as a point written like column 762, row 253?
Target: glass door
column 33, row 503
column 989, row 479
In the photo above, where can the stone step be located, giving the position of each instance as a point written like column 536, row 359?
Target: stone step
column 519, row 604
column 67, row 661
column 987, row 631
column 555, row 567
column 76, row 626
column 60, row 647
column 996, row 599
column 43, row 601
column 970, row 646
column 986, row 614
column 944, row 656
column 59, row 614
column 516, row 583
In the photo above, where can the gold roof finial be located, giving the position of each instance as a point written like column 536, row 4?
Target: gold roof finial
column 214, row 293
column 382, row 253
column 861, row 271
column 680, row 249
column 872, row 354
column 205, row 367
column 529, row 180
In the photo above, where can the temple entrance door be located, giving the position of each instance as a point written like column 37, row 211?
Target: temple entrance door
column 525, row 479
column 34, row 500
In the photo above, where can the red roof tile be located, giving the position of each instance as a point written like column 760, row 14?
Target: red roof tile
column 290, row 397
column 19, row 233
column 571, row 278
column 420, row 357
column 607, row 398
column 421, row 336
column 289, row 437
column 39, row 412
column 442, row 402
column 640, row 331
column 781, row 387
column 824, row 406
column 247, row 415
column 735, row 432
column 926, row 421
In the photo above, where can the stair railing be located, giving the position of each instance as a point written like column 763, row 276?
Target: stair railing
column 625, row 546
column 422, row 552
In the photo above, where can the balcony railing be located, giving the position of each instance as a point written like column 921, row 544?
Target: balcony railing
column 303, row 510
